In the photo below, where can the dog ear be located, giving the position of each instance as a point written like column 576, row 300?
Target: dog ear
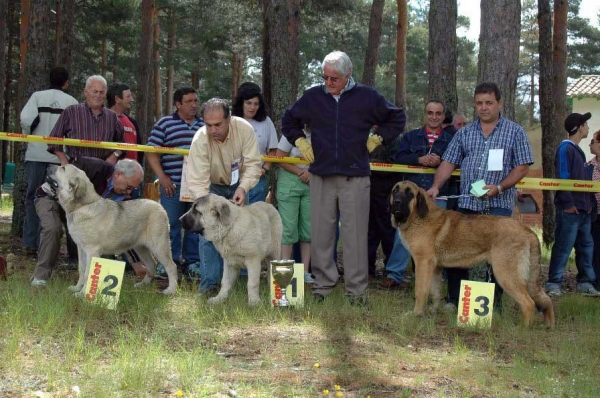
column 77, row 188
column 422, row 207
column 222, row 212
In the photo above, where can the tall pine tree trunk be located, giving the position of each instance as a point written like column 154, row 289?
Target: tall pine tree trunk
column 281, row 60
column 372, row 53
column 156, row 64
column 237, row 69
column 36, row 73
column 3, row 69
column 499, row 48
column 401, row 35
column 144, row 103
column 65, row 33
column 171, row 46
column 443, row 54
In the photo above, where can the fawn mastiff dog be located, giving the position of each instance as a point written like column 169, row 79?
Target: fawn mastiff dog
column 244, row 236
column 438, row 238
column 101, row 226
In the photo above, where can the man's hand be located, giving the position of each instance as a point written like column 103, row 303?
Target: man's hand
column 430, row 160
column 112, row 159
column 167, row 185
column 239, row 197
column 572, row 210
column 304, row 176
column 433, row 192
column 493, row 190
column 373, row 142
column 305, row 149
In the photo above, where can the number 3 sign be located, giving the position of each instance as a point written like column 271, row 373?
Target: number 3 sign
column 104, row 282
column 476, row 303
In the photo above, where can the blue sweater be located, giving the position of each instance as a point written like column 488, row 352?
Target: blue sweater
column 569, row 164
column 339, row 129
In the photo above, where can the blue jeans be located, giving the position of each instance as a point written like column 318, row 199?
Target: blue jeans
column 175, row 209
column 572, row 230
column 259, row 192
column 399, row 257
column 36, row 176
column 211, row 262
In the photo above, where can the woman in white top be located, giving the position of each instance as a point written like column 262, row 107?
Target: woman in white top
column 250, row 104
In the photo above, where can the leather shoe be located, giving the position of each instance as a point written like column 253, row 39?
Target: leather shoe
column 391, row 284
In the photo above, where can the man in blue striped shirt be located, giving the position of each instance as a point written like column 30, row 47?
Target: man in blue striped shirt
column 176, row 131
column 493, row 149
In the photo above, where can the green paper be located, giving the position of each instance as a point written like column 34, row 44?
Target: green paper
column 477, row 188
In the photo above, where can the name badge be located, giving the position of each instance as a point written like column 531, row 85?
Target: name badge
column 235, row 170
column 495, row 160
column 476, row 304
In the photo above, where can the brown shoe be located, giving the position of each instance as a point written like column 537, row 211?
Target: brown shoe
column 390, row 284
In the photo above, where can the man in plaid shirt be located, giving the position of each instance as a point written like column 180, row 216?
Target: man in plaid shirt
column 495, row 150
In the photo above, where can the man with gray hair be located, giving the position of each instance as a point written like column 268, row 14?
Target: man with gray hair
column 223, row 160
column 118, row 183
column 340, row 114
column 88, row 121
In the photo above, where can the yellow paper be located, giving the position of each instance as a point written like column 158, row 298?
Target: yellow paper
column 294, row 291
column 104, row 282
column 476, row 304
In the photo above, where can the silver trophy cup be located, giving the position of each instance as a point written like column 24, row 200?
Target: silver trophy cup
column 283, row 273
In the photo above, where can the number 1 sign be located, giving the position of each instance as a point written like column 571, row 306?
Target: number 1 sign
column 104, row 282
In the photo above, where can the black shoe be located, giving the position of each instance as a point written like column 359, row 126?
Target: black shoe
column 318, row 298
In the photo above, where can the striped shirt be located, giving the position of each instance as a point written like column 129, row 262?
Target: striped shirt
column 469, row 150
column 173, row 132
column 79, row 122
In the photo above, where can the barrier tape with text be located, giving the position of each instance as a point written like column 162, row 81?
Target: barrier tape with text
column 527, row 182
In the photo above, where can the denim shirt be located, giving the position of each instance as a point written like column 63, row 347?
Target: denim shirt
column 415, row 144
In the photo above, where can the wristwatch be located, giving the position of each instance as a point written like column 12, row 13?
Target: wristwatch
column 118, row 153
column 500, row 190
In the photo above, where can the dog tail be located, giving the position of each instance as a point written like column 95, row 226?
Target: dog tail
column 534, row 283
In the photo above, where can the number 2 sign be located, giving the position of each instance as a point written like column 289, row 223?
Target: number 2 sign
column 104, row 282
column 476, row 303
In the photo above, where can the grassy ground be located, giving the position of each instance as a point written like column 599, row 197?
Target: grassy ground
column 54, row 345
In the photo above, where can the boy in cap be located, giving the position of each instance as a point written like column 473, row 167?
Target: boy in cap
column 573, row 213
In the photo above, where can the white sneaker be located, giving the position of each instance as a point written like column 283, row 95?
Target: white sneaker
column 38, row 282
column 308, row 278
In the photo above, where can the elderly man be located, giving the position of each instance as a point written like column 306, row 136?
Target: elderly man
column 459, row 121
column 176, row 131
column 118, row 183
column 88, row 121
column 38, row 117
column 223, row 160
column 119, row 100
column 340, row 114
column 493, row 149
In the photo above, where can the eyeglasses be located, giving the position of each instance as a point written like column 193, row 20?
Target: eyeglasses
column 332, row 79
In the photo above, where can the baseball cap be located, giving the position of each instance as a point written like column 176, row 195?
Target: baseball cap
column 575, row 120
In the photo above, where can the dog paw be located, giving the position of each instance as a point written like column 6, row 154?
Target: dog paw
column 169, row 290
column 75, row 288
column 254, row 302
column 80, row 294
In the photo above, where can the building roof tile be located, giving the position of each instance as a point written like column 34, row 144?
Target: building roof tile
column 585, row 86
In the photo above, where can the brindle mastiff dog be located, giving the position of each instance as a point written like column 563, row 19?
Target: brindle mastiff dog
column 438, row 238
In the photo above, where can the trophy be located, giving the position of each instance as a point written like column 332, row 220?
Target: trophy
column 283, row 273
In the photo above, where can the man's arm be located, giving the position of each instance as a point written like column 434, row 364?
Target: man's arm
column 166, row 183
column 441, row 176
column 515, row 175
column 198, row 167
column 28, row 114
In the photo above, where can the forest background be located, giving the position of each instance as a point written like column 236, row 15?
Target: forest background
column 409, row 51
